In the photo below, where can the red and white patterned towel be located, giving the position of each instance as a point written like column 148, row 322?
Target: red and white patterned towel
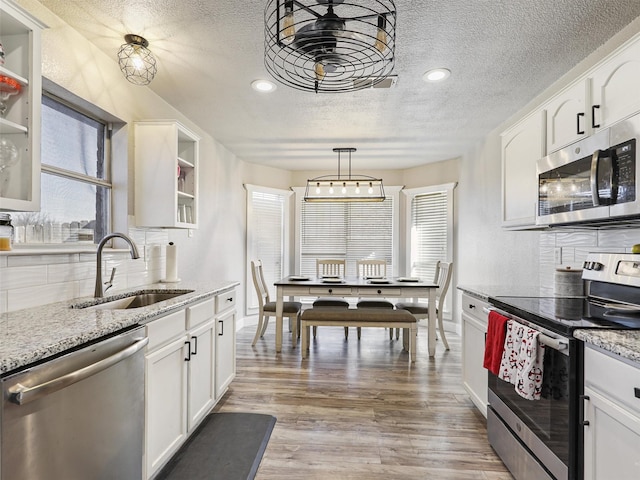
column 522, row 360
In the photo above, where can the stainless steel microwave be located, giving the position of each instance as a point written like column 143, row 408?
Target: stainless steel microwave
column 595, row 179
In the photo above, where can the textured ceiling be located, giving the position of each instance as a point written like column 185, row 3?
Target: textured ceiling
column 502, row 53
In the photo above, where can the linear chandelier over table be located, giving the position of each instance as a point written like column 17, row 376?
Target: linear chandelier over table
column 350, row 188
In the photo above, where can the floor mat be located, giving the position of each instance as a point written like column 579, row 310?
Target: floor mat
column 227, row 446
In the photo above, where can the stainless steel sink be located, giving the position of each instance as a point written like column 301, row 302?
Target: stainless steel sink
column 137, row 300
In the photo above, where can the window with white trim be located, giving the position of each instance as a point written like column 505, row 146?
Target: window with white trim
column 267, row 235
column 430, row 223
column 75, row 183
column 350, row 231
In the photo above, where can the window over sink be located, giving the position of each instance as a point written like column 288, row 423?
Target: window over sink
column 75, row 179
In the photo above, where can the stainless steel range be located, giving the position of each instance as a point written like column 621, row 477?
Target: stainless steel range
column 543, row 439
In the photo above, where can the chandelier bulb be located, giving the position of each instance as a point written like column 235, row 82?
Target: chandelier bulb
column 344, row 187
column 370, row 190
column 288, row 23
column 381, row 34
column 331, row 188
column 318, row 188
column 357, row 188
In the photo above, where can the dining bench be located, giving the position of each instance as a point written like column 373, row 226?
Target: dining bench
column 359, row 317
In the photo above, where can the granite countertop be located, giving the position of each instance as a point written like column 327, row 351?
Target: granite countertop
column 30, row 335
column 625, row 343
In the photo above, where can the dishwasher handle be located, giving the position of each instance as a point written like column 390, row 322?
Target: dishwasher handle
column 20, row 394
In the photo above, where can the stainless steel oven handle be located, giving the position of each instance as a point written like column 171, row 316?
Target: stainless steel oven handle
column 559, row 344
column 555, row 343
column 20, row 394
column 593, row 178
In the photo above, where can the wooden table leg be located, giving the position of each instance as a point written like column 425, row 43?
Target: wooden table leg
column 279, row 308
column 431, row 323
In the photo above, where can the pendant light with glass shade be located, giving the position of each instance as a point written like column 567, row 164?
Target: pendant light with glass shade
column 136, row 61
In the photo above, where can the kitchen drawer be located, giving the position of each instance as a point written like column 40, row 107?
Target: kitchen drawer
column 475, row 307
column 326, row 291
column 380, row 292
column 613, row 378
column 200, row 313
column 166, row 328
column 225, row 300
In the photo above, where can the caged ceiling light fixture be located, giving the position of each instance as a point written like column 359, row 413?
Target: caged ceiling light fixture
column 329, row 46
column 136, row 61
column 351, row 188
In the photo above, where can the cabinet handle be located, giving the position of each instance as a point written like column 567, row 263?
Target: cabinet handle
column 221, row 328
column 471, row 306
column 593, row 116
column 195, row 346
column 636, row 392
column 188, row 359
column 230, row 299
column 331, row 290
column 583, row 398
column 580, row 132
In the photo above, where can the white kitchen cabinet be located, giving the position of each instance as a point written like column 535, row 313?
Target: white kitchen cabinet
column 612, row 417
column 201, row 361
column 20, row 35
column 166, row 175
column 566, row 116
column 225, row 341
column 474, row 329
column 615, row 90
column 166, row 390
column 190, row 363
column 522, row 147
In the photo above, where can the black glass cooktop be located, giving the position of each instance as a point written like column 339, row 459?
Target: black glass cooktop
column 563, row 315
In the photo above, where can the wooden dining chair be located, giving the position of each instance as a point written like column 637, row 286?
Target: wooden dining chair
column 376, row 269
column 267, row 308
column 330, row 267
column 419, row 309
column 326, row 267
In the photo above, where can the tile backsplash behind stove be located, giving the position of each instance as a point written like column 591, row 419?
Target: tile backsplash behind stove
column 29, row 280
column 569, row 248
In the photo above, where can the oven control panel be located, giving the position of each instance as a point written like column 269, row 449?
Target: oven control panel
column 618, row 268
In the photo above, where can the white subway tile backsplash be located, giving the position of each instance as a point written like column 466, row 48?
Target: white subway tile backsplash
column 38, row 279
column 23, row 260
column 576, row 238
column 70, row 272
column 19, row 277
column 38, row 295
column 624, row 238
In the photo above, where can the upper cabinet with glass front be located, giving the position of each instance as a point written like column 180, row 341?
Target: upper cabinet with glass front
column 166, row 155
column 20, row 99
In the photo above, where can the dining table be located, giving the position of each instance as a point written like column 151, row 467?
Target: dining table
column 357, row 287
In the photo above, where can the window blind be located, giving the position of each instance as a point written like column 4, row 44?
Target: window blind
column 350, row 231
column 429, row 233
column 266, row 223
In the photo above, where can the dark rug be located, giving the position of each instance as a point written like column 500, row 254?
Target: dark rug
column 227, row 446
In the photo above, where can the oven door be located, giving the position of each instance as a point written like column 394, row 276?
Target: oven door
column 547, row 427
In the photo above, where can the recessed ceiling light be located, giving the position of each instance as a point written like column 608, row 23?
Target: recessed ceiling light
column 263, row 86
column 436, row 75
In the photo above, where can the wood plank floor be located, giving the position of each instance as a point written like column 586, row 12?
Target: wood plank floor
column 357, row 409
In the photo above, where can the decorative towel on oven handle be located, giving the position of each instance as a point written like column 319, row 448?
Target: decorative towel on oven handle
column 522, row 360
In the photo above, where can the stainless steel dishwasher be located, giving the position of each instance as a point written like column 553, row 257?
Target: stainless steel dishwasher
column 79, row 416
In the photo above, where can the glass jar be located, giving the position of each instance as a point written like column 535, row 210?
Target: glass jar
column 6, row 232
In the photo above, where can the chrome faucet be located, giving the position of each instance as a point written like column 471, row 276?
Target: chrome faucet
column 134, row 254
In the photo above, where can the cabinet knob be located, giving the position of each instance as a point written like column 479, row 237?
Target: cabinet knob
column 636, row 392
column 471, row 305
column 379, row 291
column 331, row 290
